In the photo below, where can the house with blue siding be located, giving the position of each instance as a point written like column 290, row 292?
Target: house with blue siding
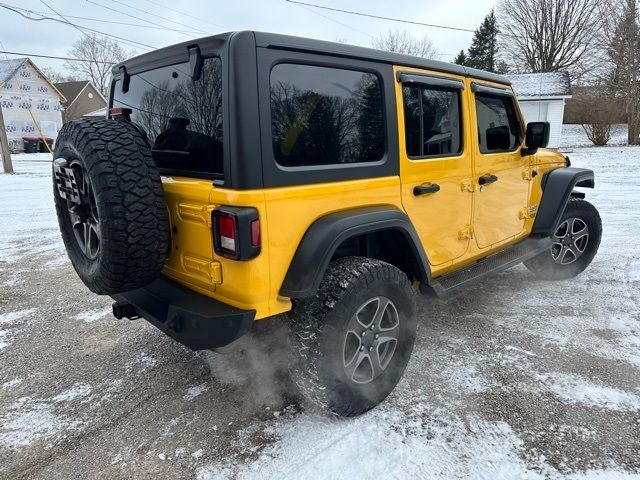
column 31, row 104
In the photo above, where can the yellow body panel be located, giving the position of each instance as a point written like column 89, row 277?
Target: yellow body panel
column 437, row 217
column 457, row 225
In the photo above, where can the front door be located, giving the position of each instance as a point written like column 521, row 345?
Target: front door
column 502, row 188
column 435, row 161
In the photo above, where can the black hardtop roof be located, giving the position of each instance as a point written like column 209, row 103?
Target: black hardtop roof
column 309, row 45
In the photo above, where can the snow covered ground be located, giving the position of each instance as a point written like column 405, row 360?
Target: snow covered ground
column 515, row 379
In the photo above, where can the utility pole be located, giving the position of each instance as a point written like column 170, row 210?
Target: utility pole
column 4, row 147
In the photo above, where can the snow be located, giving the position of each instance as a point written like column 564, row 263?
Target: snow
column 573, row 136
column 548, row 84
column 575, row 389
column 29, row 227
column 410, row 435
column 193, row 392
column 93, row 315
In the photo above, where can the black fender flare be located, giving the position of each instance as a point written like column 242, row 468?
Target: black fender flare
column 557, row 188
column 323, row 237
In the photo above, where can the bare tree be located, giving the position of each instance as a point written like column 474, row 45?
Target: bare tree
column 596, row 113
column 621, row 76
column 401, row 41
column 549, row 35
column 98, row 54
column 55, row 76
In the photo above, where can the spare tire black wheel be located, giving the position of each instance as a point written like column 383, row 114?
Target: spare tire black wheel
column 110, row 205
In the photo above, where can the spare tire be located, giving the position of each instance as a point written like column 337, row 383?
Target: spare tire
column 110, row 205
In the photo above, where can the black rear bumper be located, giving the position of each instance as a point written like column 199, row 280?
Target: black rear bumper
column 193, row 319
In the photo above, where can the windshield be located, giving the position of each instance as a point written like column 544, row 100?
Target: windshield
column 182, row 118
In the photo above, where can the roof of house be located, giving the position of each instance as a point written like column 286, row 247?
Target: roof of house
column 546, row 84
column 101, row 112
column 71, row 90
column 9, row 67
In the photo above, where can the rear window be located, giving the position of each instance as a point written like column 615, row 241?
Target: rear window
column 325, row 116
column 182, row 118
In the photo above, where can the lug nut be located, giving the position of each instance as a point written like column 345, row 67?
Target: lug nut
column 376, row 336
column 363, row 333
column 370, row 348
column 371, row 327
column 362, row 348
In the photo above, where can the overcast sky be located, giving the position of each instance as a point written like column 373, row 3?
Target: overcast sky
column 200, row 18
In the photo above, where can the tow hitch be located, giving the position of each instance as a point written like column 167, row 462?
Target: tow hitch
column 124, row 310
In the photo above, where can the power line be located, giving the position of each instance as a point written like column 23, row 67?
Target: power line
column 183, row 13
column 155, row 24
column 155, row 15
column 101, row 20
column 124, row 40
column 54, row 57
column 336, row 21
column 380, row 17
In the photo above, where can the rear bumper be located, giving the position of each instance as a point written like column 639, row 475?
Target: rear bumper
column 193, row 319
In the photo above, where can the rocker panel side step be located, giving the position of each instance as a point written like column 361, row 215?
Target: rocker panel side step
column 448, row 285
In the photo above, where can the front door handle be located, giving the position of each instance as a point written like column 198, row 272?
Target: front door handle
column 487, row 179
column 424, row 189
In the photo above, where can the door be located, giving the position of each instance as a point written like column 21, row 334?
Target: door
column 502, row 187
column 435, row 161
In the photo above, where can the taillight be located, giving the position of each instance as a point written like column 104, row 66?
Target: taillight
column 236, row 232
column 227, row 229
column 255, row 233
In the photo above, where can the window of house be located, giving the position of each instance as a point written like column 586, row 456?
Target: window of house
column 498, row 125
column 325, row 116
column 432, row 121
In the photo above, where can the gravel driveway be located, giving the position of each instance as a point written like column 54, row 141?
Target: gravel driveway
column 516, row 378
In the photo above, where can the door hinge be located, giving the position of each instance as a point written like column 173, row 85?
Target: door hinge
column 466, row 233
column 528, row 212
column 529, row 174
column 467, row 185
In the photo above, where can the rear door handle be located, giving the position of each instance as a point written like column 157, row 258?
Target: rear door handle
column 424, row 189
column 487, row 179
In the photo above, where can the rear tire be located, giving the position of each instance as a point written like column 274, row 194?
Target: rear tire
column 345, row 357
column 576, row 242
column 117, row 238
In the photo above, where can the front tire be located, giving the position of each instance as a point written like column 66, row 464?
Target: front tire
column 575, row 243
column 353, row 339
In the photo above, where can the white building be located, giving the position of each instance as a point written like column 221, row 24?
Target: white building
column 542, row 97
column 26, row 94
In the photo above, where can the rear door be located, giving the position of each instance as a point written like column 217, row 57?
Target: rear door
column 502, row 187
column 435, row 160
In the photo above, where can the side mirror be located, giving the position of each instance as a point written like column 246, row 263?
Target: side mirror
column 537, row 135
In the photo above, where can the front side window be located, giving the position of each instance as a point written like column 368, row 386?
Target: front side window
column 325, row 116
column 432, row 121
column 498, row 125
column 181, row 117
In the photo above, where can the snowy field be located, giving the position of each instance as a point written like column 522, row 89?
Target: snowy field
column 516, row 379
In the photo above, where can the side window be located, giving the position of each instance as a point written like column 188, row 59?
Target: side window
column 325, row 116
column 432, row 121
column 498, row 125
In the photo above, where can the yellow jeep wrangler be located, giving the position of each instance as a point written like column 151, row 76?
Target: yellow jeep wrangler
column 247, row 175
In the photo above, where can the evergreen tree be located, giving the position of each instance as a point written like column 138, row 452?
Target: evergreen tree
column 483, row 52
column 461, row 58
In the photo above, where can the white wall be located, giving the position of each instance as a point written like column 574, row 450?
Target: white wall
column 551, row 110
column 25, row 91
